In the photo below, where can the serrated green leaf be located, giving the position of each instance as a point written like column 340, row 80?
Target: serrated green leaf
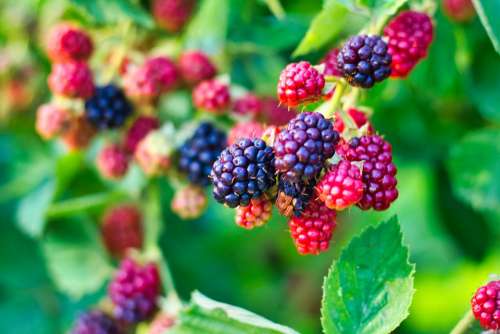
column 488, row 14
column 207, row 316
column 474, row 167
column 73, row 251
column 32, row 209
column 208, row 28
column 370, row 288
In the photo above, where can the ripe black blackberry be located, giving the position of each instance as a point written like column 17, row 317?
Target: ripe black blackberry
column 242, row 172
column 364, row 60
column 96, row 322
column 197, row 154
column 108, row 108
column 293, row 197
column 302, row 149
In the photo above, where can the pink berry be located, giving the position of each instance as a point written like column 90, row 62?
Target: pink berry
column 242, row 130
column 248, row 104
column 275, row 114
column 153, row 153
column 300, row 83
column 66, row 43
column 51, row 120
column 189, row 202
column 138, row 130
column 172, row 15
column 257, row 213
column 112, row 162
column 330, row 62
column 121, row 229
column 71, row 79
column 195, row 66
column 459, row 10
column 212, row 96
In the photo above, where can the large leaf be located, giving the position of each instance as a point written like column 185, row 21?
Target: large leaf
column 208, row 29
column 485, row 85
column 369, row 289
column 204, row 315
column 488, row 11
column 32, row 209
column 474, row 167
column 114, row 11
column 75, row 256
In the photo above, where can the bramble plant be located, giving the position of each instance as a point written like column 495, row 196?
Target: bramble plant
column 148, row 98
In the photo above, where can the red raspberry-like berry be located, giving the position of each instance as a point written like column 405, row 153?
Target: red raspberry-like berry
column 51, row 120
column 164, row 72
column 189, row 202
column 172, row 15
column 112, row 162
column 248, row 104
column 341, row 186
column 71, row 79
column 242, row 130
column 459, row 10
column 161, row 323
column 134, row 291
column 358, row 117
column 79, row 133
column 153, row 153
column 330, row 62
column 312, row 231
column 379, row 172
column 195, row 66
column 486, row 305
column 409, row 35
column 66, row 42
column 122, row 229
column 300, row 83
column 212, row 96
column 275, row 114
column 257, row 213
column 138, row 130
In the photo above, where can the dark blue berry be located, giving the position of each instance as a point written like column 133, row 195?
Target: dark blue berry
column 95, row 322
column 108, row 108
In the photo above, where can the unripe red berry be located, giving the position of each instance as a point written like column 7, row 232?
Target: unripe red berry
column 212, row 96
column 112, row 162
column 242, row 130
column 312, row 231
column 79, row 133
column 51, row 120
column 138, row 130
column 486, row 305
column 153, row 153
column 195, row 66
column 341, row 186
column 330, row 62
column 409, row 35
column 172, row 15
column 357, row 116
column 275, row 114
column 71, row 79
column 66, row 42
column 459, row 10
column 300, row 83
column 122, row 229
column 189, row 202
column 249, row 105
column 256, row 214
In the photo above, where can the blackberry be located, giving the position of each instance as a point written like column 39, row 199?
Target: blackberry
column 486, row 305
column 108, row 108
column 198, row 153
column 302, row 149
column 364, row 60
column 293, row 197
column 243, row 171
column 95, row 322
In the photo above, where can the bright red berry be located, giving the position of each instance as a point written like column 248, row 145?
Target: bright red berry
column 275, row 114
column 212, row 96
column 341, row 186
column 189, row 202
column 79, row 133
column 330, row 62
column 112, row 162
column 486, row 305
column 66, row 42
column 51, row 120
column 195, row 66
column 172, row 15
column 122, row 229
column 312, row 231
column 300, row 83
column 257, row 213
column 249, row 105
column 379, row 172
column 409, row 35
column 153, row 153
column 138, row 130
column 459, row 10
column 242, row 130
column 71, row 79
column 164, row 72
column 134, row 291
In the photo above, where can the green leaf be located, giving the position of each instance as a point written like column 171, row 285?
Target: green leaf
column 474, row 167
column 114, row 11
column 204, row 315
column 66, row 169
column 208, row 29
column 485, row 85
column 369, row 289
column 326, row 25
column 73, row 251
column 32, row 209
column 488, row 14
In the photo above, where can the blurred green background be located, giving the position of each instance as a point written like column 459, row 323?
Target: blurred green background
column 443, row 123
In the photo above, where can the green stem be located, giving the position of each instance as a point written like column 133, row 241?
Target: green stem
column 334, row 102
column 464, row 324
column 276, row 8
column 83, row 203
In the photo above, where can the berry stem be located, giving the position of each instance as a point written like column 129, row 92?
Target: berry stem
column 116, row 60
column 83, row 203
column 464, row 324
column 334, row 102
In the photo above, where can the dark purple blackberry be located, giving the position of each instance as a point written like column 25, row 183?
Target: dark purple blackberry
column 197, row 154
column 364, row 60
column 95, row 322
column 302, row 149
column 242, row 172
column 108, row 108
column 293, row 197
